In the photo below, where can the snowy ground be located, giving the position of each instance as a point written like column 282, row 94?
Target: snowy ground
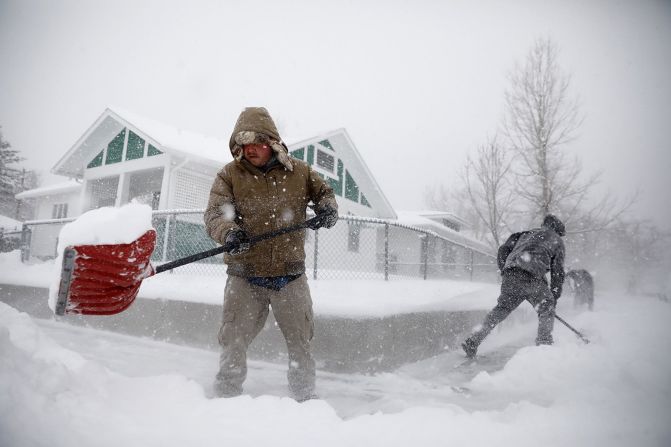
column 65, row 386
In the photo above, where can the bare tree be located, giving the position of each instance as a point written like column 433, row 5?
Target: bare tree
column 488, row 183
column 540, row 119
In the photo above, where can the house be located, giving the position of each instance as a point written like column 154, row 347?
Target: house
column 123, row 157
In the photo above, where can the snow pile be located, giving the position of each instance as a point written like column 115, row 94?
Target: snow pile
column 9, row 224
column 12, row 271
column 615, row 391
column 107, row 225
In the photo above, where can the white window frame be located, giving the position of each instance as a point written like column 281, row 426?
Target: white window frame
column 59, row 210
column 326, row 154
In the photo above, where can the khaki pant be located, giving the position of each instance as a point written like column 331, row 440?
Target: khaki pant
column 245, row 311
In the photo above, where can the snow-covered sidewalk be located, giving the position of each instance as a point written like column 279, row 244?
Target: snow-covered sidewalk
column 68, row 386
column 342, row 298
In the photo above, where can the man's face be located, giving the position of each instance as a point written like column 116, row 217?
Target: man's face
column 257, row 154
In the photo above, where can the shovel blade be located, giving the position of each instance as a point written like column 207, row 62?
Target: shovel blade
column 104, row 279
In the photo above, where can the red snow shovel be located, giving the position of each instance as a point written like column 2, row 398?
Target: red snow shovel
column 105, row 279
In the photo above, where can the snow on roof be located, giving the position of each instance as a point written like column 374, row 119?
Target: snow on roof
column 184, row 141
column 417, row 219
column 58, row 188
column 7, row 223
column 441, row 214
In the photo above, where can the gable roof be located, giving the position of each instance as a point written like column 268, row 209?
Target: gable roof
column 342, row 145
column 166, row 138
column 211, row 152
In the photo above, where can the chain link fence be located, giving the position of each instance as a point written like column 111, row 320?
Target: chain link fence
column 355, row 248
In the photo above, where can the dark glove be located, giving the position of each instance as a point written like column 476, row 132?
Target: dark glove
column 326, row 217
column 238, row 241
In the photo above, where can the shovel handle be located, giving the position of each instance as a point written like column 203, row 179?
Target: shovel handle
column 228, row 247
column 575, row 331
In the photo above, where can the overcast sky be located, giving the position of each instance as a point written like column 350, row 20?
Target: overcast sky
column 417, row 84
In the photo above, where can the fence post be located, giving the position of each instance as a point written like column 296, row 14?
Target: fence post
column 166, row 236
column 472, row 266
column 316, row 255
column 425, row 246
column 386, row 252
column 26, row 236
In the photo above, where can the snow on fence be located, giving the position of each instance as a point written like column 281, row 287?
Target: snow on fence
column 355, row 248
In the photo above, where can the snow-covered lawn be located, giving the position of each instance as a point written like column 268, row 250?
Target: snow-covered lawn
column 67, row 386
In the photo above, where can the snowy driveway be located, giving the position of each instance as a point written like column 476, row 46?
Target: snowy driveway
column 63, row 385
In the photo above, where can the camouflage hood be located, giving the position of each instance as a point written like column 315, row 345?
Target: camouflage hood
column 255, row 125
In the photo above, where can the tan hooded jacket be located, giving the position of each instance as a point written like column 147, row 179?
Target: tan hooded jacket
column 244, row 197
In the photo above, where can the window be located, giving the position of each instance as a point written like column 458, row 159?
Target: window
column 153, row 151
column 97, row 161
column 299, row 153
column 135, row 147
column 327, row 144
column 311, row 155
column 59, row 211
column 325, row 161
column 115, row 148
column 351, row 188
column 337, row 184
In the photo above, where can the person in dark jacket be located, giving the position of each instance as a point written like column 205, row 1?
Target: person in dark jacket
column 523, row 260
column 582, row 284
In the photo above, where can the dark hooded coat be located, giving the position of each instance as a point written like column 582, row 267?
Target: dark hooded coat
column 536, row 251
